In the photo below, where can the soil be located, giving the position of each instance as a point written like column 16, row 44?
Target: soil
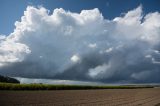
column 108, row 97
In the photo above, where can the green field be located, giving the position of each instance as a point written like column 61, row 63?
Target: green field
column 11, row 86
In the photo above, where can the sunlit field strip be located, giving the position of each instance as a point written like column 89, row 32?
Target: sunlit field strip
column 10, row 86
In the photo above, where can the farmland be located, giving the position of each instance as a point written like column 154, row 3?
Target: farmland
column 94, row 97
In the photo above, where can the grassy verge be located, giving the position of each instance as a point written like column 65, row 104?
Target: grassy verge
column 10, row 86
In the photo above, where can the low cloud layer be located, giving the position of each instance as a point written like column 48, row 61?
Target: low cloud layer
column 83, row 46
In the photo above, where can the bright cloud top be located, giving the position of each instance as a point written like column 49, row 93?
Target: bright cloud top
column 83, row 46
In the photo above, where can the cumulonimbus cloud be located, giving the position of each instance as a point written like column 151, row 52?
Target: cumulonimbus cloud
column 83, row 46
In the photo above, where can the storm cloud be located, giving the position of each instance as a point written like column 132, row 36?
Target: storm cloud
column 83, row 46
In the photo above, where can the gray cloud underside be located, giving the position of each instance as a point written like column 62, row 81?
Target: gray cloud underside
column 83, row 46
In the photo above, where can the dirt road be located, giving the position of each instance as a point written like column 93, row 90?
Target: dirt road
column 108, row 97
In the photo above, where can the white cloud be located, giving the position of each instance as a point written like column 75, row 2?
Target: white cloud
column 99, row 72
column 54, row 37
column 155, row 61
column 148, row 56
column 2, row 37
column 156, row 51
column 11, row 51
column 75, row 58
column 132, row 17
column 151, row 26
column 46, row 42
column 92, row 45
column 109, row 50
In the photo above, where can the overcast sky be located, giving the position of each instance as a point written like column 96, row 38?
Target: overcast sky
column 104, row 41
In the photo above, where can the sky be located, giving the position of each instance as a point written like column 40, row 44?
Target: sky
column 107, row 41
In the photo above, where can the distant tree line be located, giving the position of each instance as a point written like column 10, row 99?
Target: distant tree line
column 6, row 79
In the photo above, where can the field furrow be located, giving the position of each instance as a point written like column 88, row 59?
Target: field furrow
column 108, row 97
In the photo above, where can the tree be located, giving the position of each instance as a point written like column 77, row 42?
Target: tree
column 8, row 79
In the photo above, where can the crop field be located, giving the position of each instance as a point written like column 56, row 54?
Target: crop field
column 100, row 97
column 11, row 86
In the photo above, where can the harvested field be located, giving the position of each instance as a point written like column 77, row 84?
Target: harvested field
column 105, row 97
